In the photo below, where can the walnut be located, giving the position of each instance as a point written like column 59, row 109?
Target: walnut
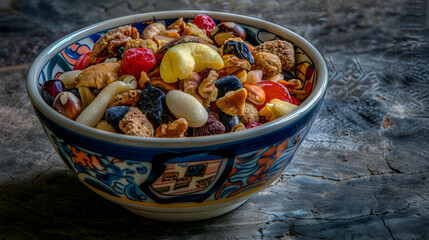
column 234, row 64
column 233, row 102
column 190, row 86
column 141, row 43
column 206, row 87
column 172, row 33
column 128, row 98
column 176, row 129
column 178, row 25
column 284, row 50
column 108, row 45
column 135, row 123
column 250, row 114
column 269, row 63
column 99, row 75
column 143, row 80
column 152, row 30
column 194, row 30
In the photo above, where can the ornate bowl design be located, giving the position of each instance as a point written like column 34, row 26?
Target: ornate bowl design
column 178, row 179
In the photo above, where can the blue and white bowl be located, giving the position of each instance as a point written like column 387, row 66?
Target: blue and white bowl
column 177, row 179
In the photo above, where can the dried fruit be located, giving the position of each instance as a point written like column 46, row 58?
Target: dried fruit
column 211, row 127
column 83, row 61
column 50, row 89
column 152, row 104
column 204, row 22
column 114, row 115
column 252, row 125
column 137, row 60
column 227, row 120
column 226, row 84
column 238, row 49
column 276, row 108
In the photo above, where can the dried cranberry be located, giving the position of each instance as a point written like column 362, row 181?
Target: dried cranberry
column 137, row 60
column 204, row 22
column 253, row 124
column 211, row 127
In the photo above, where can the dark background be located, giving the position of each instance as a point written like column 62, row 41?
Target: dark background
column 361, row 173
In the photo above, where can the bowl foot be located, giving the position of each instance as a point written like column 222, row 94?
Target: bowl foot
column 180, row 216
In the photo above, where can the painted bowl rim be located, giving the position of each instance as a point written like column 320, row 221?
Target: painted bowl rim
column 312, row 100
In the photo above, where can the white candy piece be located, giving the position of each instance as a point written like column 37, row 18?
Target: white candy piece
column 186, row 106
column 94, row 112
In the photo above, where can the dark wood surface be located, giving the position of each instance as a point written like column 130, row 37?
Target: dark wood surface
column 361, row 173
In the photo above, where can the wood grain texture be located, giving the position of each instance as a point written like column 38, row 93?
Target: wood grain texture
column 362, row 171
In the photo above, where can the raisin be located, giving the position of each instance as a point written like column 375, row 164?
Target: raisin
column 226, row 84
column 120, row 52
column 211, row 127
column 227, row 120
column 152, row 104
column 115, row 114
column 238, row 49
column 287, row 75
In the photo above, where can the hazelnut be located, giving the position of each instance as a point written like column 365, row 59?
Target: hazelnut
column 68, row 105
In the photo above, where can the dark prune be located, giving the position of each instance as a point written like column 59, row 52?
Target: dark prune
column 227, row 120
column 50, row 89
column 287, row 75
column 152, row 103
column 75, row 91
column 115, row 114
column 226, row 84
column 238, row 49
column 211, row 127
column 120, row 52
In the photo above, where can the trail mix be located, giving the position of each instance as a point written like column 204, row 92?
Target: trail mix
column 185, row 79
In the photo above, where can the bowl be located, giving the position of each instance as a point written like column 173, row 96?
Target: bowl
column 177, row 179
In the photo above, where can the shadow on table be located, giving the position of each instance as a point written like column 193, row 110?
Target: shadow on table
column 58, row 206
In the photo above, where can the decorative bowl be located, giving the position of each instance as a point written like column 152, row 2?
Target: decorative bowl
column 177, row 179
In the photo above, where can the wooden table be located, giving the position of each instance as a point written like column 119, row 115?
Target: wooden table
column 362, row 171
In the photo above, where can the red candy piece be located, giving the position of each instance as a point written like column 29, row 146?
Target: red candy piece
column 137, row 60
column 273, row 90
column 204, row 22
column 83, row 61
column 295, row 100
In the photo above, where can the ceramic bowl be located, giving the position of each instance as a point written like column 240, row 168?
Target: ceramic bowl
column 177, row 179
